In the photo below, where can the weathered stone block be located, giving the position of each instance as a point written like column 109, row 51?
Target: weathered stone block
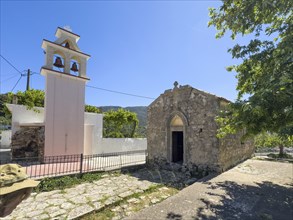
column 28, row 142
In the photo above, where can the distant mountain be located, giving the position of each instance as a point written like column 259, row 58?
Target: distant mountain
column 141, row 112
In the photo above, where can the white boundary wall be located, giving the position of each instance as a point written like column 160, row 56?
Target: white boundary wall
column 111, row 145
column 94, row 143
column 23, row 116
column 93, row 132
column 5, row 140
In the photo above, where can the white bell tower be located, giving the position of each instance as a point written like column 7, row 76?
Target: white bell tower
column 65, row 73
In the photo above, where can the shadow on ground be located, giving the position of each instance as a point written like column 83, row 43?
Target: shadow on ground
column 264, row 201
column 173, row 216
column 173, row 178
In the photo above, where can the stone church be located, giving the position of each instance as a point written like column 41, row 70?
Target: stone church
column 182, row 129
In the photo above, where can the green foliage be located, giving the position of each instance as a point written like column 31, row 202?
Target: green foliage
column 90, row 108
column 141, row 112
column 49, row 184
column 31, row 98
column 276, row 156
column 120, row 124
column 5, row 115
column 141, row 132
column 4, row 121
column 61, row 183
column 272, row 140
column 265, row 79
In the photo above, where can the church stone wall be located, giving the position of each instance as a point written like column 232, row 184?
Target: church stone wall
column 202, row 149
column 200, row 143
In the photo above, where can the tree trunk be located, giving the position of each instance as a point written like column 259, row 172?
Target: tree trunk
column 133, row 130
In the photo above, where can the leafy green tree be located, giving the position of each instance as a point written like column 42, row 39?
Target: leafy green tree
column 91, row 108
column 120, row 124
column 267, row 139
column 4, row 119
column 31, row 98
column 265, row 79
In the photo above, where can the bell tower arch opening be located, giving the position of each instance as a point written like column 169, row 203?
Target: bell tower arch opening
column 74, row 68
column 59, row 57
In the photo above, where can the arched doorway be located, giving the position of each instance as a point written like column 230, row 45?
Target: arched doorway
column 177, row 139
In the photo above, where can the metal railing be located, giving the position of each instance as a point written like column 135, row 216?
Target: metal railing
column 51, row 166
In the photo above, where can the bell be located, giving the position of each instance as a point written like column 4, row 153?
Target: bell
column 74, row 67
column 58, row 62
column 67, row 45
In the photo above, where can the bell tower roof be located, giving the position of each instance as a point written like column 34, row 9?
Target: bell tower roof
column 61, row 32
column 67, row 38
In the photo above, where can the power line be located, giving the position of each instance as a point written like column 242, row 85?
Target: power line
column 10, row 78
column 14, row 73
column 10, row 63
column 122, row 93
column 16, row 83
column 32, row 73
column 108, row 90
column 98, row 88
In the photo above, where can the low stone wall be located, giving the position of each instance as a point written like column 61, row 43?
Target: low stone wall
column 28, row 142
column 233, row 151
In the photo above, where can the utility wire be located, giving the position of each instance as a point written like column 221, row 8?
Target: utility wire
column 108, row 90
column 113, row 91
column 9, row 78
column 10, row 63
column 32, row 73
column 16, row 83
column 14, row 73
column 123, row 93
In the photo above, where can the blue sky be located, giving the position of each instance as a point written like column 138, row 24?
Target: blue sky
column 137, row 47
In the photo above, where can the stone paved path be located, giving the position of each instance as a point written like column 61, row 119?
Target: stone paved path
column 122, row 195
column 77, row 201
column 134, row 204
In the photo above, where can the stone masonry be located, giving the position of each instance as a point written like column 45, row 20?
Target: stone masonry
column 192, row 113
column 28, row 142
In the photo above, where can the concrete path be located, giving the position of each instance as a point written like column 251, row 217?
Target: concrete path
column 252, row 190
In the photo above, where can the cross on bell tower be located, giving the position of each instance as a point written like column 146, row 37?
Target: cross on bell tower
column 65, row 73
